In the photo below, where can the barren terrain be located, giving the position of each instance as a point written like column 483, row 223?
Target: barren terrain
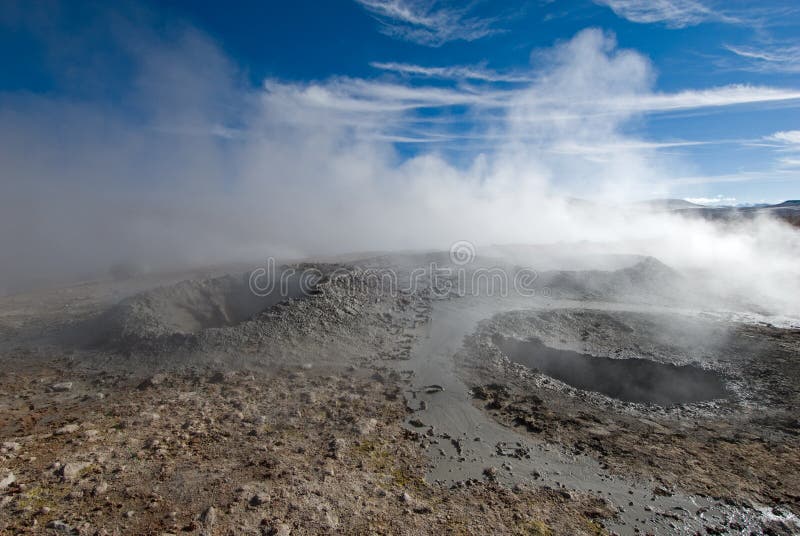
column 184, row 404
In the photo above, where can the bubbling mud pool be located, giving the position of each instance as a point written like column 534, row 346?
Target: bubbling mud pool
column 629, row 380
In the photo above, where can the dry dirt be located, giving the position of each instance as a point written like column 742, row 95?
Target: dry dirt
column 311, row 451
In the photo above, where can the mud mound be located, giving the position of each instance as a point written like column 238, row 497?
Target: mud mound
column 187, row 308
column 644, row 280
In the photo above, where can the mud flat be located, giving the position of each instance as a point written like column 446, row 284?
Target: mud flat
column 660, row 464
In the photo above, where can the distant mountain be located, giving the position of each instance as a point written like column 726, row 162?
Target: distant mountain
column 788, row 211
column 792, row 203
column 669, row 204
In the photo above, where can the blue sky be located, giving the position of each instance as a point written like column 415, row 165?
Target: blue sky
column 688, row 98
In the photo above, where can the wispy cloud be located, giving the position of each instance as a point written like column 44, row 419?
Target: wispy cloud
column 388, row 110
column 786, row 137
column 558, row 108
column 428, row 22
column 789, row 162
column 572, row 118
column 768, row 175
column 672, row 13
column 454, row 72
column 786, row 142
column 734, row 94
column 784, row 59
column 364, row 95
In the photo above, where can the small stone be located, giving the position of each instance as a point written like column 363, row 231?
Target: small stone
column 72, row 470
column 209, row 517
column 259, row 499
column 337, row 447
column 217, row 377
column 366, row 426
column 150, row 416
column 59, row 525
column 153, row 381
column 129, row 514
column 100, row 489
column 61, row 387
column 281, row 529
column 7, row 480
column 68, row 429
column 662, row 491
column 10, row 447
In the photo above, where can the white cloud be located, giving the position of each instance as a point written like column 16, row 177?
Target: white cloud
column 602, row 148
column 786, row 142
column 730, row 95
column 610, row 88
column 649, row 103
column 788, row 137
column 784, row 59
column 789, row 162
column 584, row 85
column 454, row 72
column 761, row 176
column 427, row 22
column 673, row 13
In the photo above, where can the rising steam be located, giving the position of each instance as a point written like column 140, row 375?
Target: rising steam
column 193, row 165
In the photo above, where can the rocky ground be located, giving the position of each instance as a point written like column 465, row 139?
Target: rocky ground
column 151, row 406
column 287, row 423
column 300, row 450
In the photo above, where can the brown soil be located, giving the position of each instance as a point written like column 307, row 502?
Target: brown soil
column 306, row 451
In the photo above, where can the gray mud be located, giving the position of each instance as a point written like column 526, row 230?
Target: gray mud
column 465, row 444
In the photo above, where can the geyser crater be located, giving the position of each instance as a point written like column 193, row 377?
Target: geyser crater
column 630, row 380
